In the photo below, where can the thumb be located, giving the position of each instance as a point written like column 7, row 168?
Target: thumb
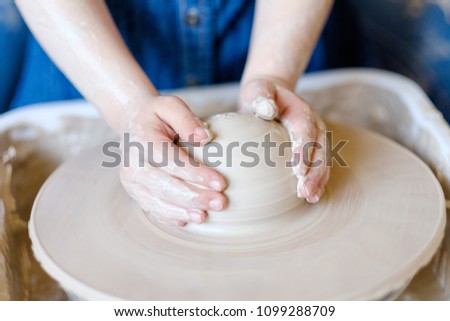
column 258, row 97
column 176, row 114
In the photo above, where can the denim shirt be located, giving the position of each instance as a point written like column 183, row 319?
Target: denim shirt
column 178, row 43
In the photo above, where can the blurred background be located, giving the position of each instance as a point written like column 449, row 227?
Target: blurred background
column 410, row 37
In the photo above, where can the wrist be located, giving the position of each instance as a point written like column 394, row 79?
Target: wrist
column 132, row 110
column 276, row 80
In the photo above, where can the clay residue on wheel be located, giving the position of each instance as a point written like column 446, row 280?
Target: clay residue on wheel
column 29, row 156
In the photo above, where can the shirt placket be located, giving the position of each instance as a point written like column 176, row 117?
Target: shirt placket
column 197, row 42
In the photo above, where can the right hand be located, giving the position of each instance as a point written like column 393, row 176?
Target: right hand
column 164, row 191
column 304, row 126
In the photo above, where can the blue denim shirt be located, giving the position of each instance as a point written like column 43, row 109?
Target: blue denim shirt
column 12, row 44
column 177, row 42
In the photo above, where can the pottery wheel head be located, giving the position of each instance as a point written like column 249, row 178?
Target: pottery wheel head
column 379, row 221
column 254, row 155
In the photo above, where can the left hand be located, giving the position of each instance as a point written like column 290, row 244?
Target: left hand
column 269, row 99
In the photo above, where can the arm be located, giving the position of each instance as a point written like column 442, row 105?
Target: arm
column 283, row 38
column 82, row 39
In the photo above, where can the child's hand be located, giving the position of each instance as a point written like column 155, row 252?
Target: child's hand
column 164, row 191
column 270, row 100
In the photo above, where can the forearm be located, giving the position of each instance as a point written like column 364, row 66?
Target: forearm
column 82, row 39
column 283, row 38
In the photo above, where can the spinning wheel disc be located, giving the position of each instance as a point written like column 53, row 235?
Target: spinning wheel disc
column 380, row 220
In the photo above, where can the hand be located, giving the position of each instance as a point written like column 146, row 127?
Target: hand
column 269, row 99
column 165, row 191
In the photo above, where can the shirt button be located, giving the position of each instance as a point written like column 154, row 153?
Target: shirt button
column 192, row 17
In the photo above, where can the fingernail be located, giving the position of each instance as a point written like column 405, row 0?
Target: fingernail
column 313, row 199
column 216, row 185
column 203, row 135
column 195, row 217
column 264, row 108
column 300, row 185
column 307, row 191
column 215, row 204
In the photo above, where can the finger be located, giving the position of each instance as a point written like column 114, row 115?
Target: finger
column 162, row 210
column 168, row 188
column 321, row 188
column 175, row 161
column 258, row 97
column 166, row 212
column 318, row 168
column 299, row 120
column 175, row 113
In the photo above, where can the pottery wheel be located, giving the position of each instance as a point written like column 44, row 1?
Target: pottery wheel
column 379, row 221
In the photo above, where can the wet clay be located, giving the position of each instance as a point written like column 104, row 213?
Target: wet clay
column 261, row 186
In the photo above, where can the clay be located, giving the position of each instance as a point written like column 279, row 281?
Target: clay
column 264, row 108
column 261, row 188
column 365, row 239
